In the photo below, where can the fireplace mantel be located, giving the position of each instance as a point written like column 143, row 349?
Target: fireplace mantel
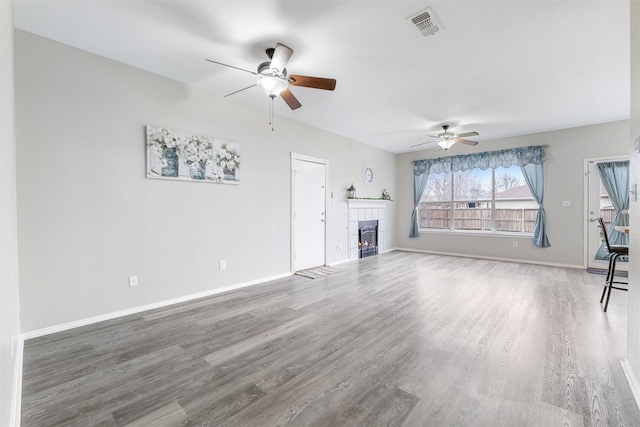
column 367, row 203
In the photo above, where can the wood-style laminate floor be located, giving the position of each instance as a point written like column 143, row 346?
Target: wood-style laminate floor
column 401, row 339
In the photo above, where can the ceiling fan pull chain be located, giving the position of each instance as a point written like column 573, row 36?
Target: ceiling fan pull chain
column 271, row 114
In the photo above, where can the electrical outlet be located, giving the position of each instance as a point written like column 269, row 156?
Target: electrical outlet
column 223, row 265
column 515, row 244
column 339, row 246
column 566, row 203
column 133, row 281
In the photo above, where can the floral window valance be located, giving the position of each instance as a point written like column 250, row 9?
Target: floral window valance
column 490, row 159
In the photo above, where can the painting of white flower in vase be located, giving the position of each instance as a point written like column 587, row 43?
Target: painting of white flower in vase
column 184, row 156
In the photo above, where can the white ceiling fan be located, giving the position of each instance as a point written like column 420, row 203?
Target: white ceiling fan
column 446, row 139
column 274, row 80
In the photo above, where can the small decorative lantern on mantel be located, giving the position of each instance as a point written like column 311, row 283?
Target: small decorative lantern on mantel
column 351, row 192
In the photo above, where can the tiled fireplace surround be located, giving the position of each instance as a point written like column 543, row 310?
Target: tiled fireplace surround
column 366, row 210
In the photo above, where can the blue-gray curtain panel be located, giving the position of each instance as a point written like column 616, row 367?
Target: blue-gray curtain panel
column 419, row 184
column 615, row 178
column 534, row 177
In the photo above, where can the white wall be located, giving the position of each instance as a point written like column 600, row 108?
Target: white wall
column 633, row 341
column 9, row 314
column 88, row 217
column 564, row 174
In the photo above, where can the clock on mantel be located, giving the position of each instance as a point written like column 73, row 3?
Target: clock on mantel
column 367, row 174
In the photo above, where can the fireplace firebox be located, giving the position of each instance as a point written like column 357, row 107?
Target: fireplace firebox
column 367, row 238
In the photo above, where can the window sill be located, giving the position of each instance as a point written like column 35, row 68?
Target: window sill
column 476, row 233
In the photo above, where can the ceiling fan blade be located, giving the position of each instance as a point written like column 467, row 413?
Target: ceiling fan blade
column 291, row 100
column 280, row 57
column 434, row 136
column 312, row 82
column 466, row 142
column 231, row 66
column 248, row 87
column 422, row 143
column 438, row 148
column 464, row 135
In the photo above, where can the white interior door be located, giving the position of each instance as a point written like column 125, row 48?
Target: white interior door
column 598, row 203
column 309, row 214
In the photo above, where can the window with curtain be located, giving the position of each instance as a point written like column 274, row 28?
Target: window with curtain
column 615, row 179
column 493, row 192
column 496, row 200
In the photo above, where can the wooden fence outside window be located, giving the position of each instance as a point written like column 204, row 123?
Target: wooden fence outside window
column 513, row 220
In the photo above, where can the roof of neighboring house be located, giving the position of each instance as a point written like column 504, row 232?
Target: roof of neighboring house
column 519, row 192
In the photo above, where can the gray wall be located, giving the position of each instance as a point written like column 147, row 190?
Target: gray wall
column 564, row 174
column 88, row 217
column 633, row 341
column 9, row 314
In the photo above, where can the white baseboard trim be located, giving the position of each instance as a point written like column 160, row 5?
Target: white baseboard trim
column 16, row 398
column 342, row 261
column 139, row 309
column 492, row 258
column 634, row 384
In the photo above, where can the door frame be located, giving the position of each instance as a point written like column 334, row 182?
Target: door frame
column 586, row 198
column 325, row 162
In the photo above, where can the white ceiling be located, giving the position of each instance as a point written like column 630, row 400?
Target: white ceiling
column 501, row 68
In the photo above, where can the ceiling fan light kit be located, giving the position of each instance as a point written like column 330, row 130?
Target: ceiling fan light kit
column 272, row 86
column 445, row 144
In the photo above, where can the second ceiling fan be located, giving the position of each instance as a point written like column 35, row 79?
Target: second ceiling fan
column 274, row 80
column 446, row 139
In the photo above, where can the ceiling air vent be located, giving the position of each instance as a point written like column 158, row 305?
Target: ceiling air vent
column 426, row 22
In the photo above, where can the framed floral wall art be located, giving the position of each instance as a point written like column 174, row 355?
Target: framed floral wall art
column 184, row 156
